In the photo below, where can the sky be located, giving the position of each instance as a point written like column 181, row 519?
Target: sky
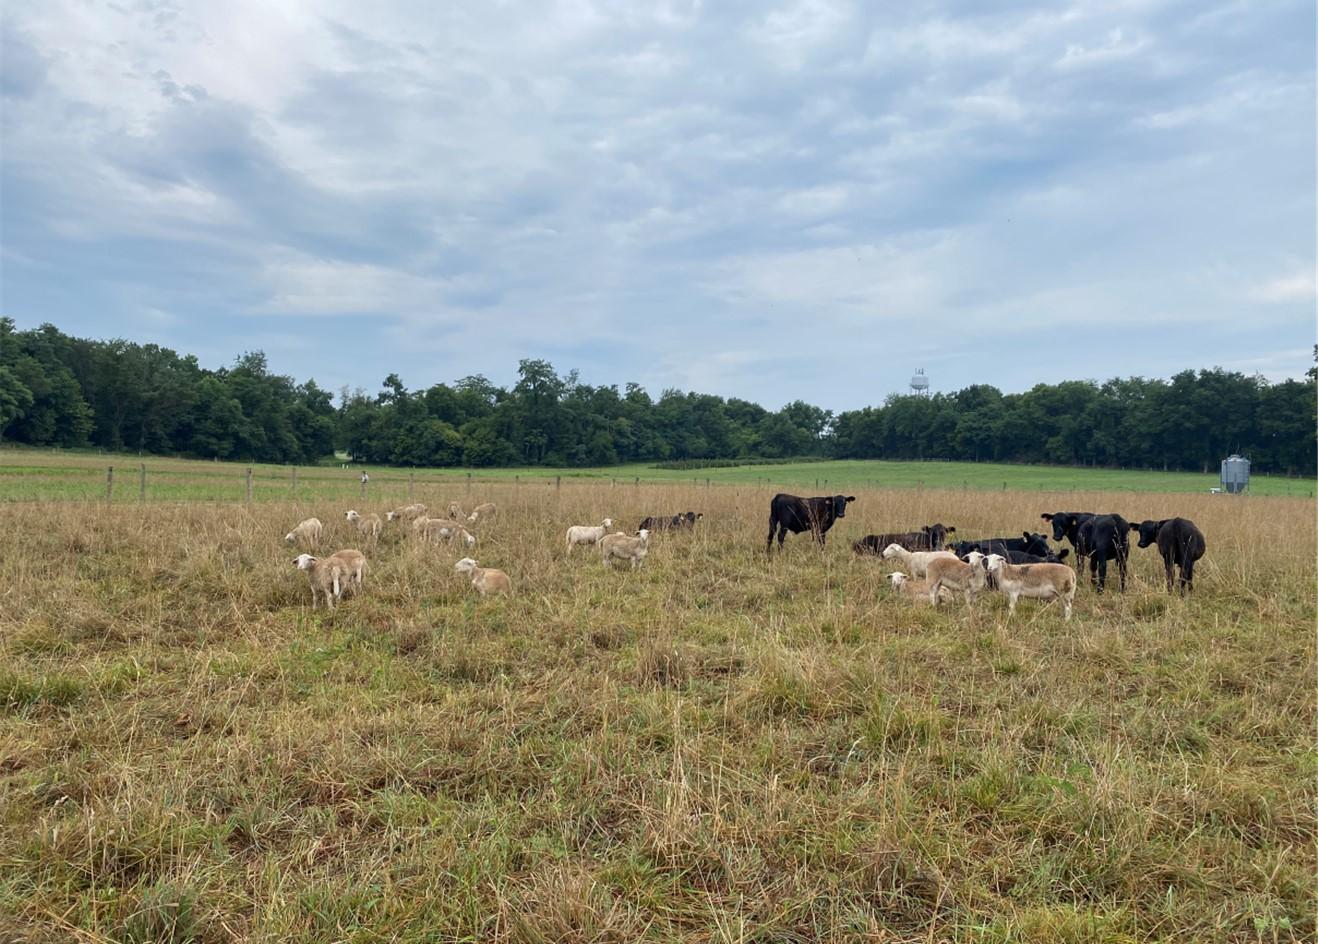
column 806, row 200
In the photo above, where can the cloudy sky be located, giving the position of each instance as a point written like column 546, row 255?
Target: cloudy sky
column 807, row 199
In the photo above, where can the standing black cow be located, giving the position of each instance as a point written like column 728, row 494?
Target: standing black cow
column 1066, row 524
column 1104, row 538
column 816, row 515
column 1180, row 543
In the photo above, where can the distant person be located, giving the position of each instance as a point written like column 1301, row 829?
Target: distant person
column 365, row 478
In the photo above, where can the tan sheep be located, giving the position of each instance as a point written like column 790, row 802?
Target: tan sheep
column 619, row 546
column 332, row 576
column 968, row 576
column 587, row 534
column 484, row 579
column 406, row 513
column 1036, row 581
column 369, row 526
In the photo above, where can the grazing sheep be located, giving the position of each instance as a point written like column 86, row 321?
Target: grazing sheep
column 587, row 534
column 1037, row 581
column 484, row 510
column 951, row 572
column 455, row 511
column 917, row 562
column 917, row 590
column 484, row 579
column 369, row 526
column 331, row 576
column 435, row 530
column 625, row 547
column 406, row 513
column 306, row 534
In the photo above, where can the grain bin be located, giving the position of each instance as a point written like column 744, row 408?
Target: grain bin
column 1235, row 474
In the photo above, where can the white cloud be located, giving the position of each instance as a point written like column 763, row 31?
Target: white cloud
column 1297, row 287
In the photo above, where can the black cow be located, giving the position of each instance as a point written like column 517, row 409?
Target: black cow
column 932, row 537
column 665, row 523
column 1104, row 538
column 816, row 515
column 1030, row 542
column 1066, row 524
column 1180, row 543
column 1022, row 557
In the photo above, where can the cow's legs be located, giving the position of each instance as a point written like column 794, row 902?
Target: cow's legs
column 1098, row 571
column 1167, row 563
column 773, row 523
column 1187, row 575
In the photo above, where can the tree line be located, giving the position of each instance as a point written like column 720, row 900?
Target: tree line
column 58, row 390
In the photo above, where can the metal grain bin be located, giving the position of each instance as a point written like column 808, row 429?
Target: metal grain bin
column 1235, row 474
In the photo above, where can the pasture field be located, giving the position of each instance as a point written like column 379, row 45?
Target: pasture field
column 54, row 475
column 717, row 747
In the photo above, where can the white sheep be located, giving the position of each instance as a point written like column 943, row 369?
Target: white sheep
column 442, row 529
column 1035, row 581
column 331, row 576
column 917, row 562
column 587, row 534
column 484, row 579
column 952, row 572
column 621, row 546
column 369, row 526
column 306, row 534
column 917, row 590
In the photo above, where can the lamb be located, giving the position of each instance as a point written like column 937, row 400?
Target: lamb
column 967, row 575
column 917, row 590
column 369, row 525
column 1037, row 581
column 306, row 534
column 484, row 579
column 331, row 576
column 917, row 562
column 484, row 510
column 406, row 513
column 624, row 547
column 587, row 534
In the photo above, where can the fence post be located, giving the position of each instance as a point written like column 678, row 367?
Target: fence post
column 295, row 481
column 109, row 483
column 249, row 485
column 411, row 485
column 706, row 483
column 364, row 489
column 141, row 483
column 468, row 484
column 558, row 481
column 637, row 483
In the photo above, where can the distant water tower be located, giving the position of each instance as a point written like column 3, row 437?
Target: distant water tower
column 919, row 384
column 1235, row 474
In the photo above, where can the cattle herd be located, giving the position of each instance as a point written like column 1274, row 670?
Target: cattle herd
column 1025, row 566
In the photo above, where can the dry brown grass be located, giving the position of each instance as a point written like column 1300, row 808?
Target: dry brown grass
column 717, row 747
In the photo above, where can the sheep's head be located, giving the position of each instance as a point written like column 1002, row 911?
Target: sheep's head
column 304, row 562
column 897, row 579
column 974, row 558
column 290, row 537
column 994, row 563
column 351, row 515
column 892, row 550
column 464, row 566
column 390, row 515
column 644, row 535
column 608, row 522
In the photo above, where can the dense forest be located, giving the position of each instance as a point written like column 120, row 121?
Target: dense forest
column 57, row 390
